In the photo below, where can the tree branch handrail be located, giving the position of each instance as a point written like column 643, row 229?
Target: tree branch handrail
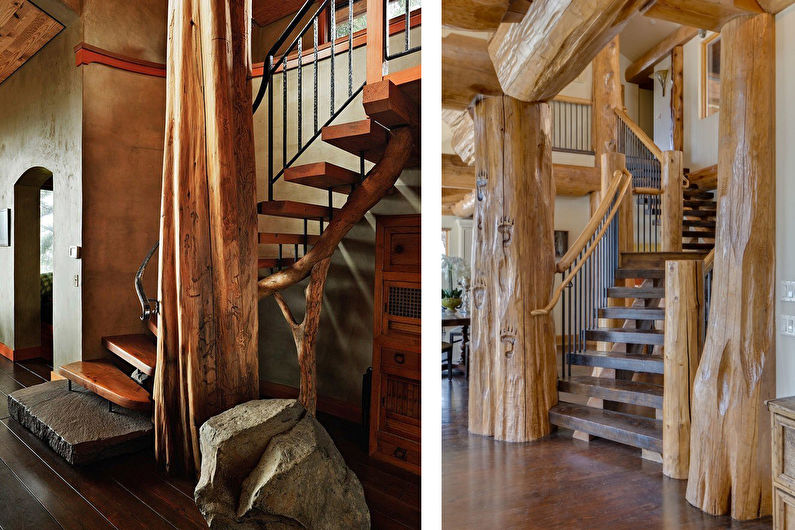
column 709, row 261
column 625, row 180
column 568, row 258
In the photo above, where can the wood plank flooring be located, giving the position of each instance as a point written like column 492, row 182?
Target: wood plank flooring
column 38, row 489
column 556, row 482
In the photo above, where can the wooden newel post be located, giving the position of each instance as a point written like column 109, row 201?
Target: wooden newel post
column 513, row 371
column 671, row 214
column 684, row 322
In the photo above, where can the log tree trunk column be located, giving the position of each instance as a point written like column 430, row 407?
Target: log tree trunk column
column 606, row 94
column 730, row 441
column 671, row 216
column 515, row 267
column 207, row 328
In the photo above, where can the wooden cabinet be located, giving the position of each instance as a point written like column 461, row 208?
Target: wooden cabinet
column 782, row 420
column 395, row 398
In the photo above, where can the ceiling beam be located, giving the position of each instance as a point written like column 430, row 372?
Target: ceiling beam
column 477, row 15
column 456, row 174
column 463, row 134
column 24, row 30
column 267, row 12
column 702, row 14
column 537, row 57
column 775, row 6
column 639, row 71
column 467, row 71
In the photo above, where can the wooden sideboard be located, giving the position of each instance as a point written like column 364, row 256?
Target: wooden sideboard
column 782, row 420
column 395, row 397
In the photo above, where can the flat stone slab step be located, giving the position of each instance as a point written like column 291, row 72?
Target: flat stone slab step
column 77, row 424
column 294, row 210
column 653, row 337
column 624, row 273
column 139, row 350
column 272, row 238
column 628, row 429
column 323, row 175
column 636, row 292
column 618, row 361
column 107, row 381
column 633, row 313
column 624, row 391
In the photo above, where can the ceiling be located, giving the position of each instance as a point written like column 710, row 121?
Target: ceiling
column 266, row 12
column 641, row 33
column 24, row 30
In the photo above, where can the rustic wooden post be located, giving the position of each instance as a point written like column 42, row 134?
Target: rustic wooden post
column 677, row 99
column 514, row 169
column 376, row 33
column 730, row 431
column 207, row 328
column 606, row 93
column 671, row 215
column 684, row 322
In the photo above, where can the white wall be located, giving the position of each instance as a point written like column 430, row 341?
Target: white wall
column 663, row 124
column 785, row 190
column 701, row 135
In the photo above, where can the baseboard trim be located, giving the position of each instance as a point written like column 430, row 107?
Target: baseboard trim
column 24, row 354
column 327, row 405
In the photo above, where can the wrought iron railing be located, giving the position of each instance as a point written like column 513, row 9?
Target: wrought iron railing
column 149, row 306
column 396, row 9
column 571, row 126
column 587, row 270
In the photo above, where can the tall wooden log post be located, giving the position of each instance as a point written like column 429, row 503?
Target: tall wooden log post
column 514, row 371
column 207, row 328
column 684, row 323
column 677, row 99
column 730, row 431
column 671, row 216
column 606, row 94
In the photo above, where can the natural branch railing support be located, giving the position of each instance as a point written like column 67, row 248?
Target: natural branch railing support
column 671, row 183
column 684, row 320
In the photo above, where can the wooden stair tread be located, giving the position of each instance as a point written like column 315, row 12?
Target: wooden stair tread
column 273, row 238
column 628, row 429
column 633, row 313
column 359, row 137
column 294, row 210
column 698, row 213
column 696, row 233
column 624, row 273
column 698, row 194
column 698, row 203
column 137, row 349
column 697, row 246
column 618, row 361
column 274, row 263
column 652, row 337
column 323, row 175
column 107, row 381
column 698, row 223
column 636, row 292
column 622, row 390
column 654, row 260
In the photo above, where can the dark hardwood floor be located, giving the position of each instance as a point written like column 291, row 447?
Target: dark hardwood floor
column 40, row 490
column 556, row 482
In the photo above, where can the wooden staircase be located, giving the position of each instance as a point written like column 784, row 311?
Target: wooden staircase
column 700, row 211
column 621, row 399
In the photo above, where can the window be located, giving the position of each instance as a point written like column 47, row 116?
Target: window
column 46, row 230
column 396, row 8
column 359, row 18
column 710, row 75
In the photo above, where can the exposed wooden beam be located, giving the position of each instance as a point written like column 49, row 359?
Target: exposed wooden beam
column 554, row 42
column 576, row 180
column 678, row 98
column 463, row 132
column 267, row 12
column 478, row 15
column 703, row 14
column 774, row 6
column 639, row 71
column 456, row 174
column 467, row 71
column 24, row 30
column 705, row 178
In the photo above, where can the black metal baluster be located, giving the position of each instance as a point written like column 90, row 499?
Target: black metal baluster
column 333, row 15
column 408, row 27
column 306, row 235
column 350, row 47
column 266, row 74
column 315, row 31
column 300, row 90
column 284, row 114
column 563, row 335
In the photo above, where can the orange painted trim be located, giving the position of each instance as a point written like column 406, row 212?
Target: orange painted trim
column 6, row 352
column 87, row 54
column 396, row 25
column 24, row 354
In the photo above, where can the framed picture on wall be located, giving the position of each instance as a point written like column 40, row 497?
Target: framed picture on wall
column 5, row 227
column 561, row 242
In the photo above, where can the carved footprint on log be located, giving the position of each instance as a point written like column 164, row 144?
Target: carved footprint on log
column 479, row 292
column 508, row 339
column 505, row 228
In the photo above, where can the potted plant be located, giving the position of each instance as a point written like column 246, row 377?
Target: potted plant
column 451, row 299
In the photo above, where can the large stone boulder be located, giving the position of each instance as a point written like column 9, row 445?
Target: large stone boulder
column 269, row 464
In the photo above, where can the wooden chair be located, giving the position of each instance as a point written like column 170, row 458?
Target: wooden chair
column 448, row 349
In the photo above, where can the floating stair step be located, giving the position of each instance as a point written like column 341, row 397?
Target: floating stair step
column 699, row 213
column 698, row 246
column 707, row 234
column 618, row 361
column 698, row 222
column 138, row 349
column 710, row 204
column 364, row 137
column 654, row 260
column 624, row 391
column 628, row 429
column 274, row 263
column 107, row 381
column 650, row 274
column 270, row 238
column 633, row 313
column 653, row 337
column 698, row 194
column 294, row 210
column 636, row 292
column 323, row 175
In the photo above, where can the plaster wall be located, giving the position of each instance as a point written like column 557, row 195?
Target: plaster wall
column 701, row 134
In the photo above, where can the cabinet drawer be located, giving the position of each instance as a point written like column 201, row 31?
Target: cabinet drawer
column 399, row 451
column 400, row 362
column 402, row 246
column 783, row 510
column 784, row 452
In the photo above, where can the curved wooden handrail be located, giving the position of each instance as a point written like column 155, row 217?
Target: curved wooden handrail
column 646, row 191
column 626, row 182
column 579, row 244
column 640, row 133
column 709, row 261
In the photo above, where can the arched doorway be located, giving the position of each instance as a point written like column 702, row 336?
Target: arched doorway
column 33, row 264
